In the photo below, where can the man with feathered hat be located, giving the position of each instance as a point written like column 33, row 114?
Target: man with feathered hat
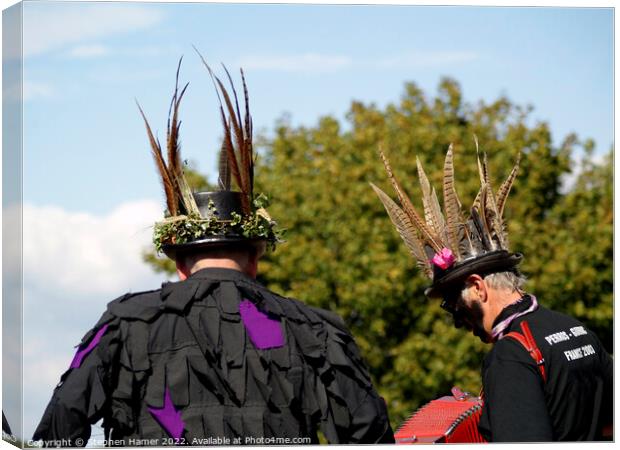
column 215, row 358
column 547, row 377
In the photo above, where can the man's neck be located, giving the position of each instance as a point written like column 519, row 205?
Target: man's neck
column 504, row 299
column 217, row 263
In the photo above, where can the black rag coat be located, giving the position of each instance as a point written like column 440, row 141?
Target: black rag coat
column 178, row 364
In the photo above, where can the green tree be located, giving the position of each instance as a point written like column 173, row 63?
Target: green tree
column 575, row 269
column 343, row 254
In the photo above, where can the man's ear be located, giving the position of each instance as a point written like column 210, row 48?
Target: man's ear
column 480, row 289
column 182, row 270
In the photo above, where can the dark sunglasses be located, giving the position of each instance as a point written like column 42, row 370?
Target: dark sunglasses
column 449, row 306
column 450, row 301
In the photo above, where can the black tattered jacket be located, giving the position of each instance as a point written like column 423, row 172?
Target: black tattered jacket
column 183, row 365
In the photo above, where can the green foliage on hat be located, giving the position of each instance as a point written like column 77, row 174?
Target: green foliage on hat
column 187, row 228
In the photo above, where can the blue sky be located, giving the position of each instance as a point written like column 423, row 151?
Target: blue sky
column 307, row 60
column 90, row 187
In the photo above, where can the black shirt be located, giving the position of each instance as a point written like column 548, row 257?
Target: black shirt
column 216, row 359
column 574, row 403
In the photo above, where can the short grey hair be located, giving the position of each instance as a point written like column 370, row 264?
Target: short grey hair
column 509, row 281
column 505, row 280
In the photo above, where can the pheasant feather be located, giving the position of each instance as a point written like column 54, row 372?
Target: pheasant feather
column 406, row 230
column 504, row 189
column 227, row 143
column 248, row 133
column 173, row 126
column 237, row 123
column 439, row 215
column 432, row 212
column 490, row 211
column 408, row 207
column 185, row 193
column 451, row 203
column 237, row 140
column 480, row 229
column 167, row 181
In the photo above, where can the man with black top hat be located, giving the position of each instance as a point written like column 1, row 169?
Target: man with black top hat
column 547, row 377
column 215, row 358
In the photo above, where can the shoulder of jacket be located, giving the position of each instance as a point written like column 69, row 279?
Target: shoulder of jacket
column 144, row 305
column 300, row 311
column 138, row 305
column 508, row 350
column 331, row 317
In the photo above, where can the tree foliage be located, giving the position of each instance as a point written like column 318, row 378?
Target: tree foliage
column 343, row 254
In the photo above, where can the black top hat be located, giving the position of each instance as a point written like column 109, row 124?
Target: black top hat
column 223, row 211
column 485, row 264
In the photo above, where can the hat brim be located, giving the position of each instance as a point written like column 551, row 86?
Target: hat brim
column 492, row 262
column 171, row 250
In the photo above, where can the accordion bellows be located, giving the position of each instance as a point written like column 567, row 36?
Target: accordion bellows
column 445, row 420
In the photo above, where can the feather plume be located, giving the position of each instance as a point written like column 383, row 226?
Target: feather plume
column 489, row 209
column 488, row 216
column 467, row 244
column 179, row 198
column 248, row 148
column 237, row 141
column 432, row 212
column 480, row 229
column 227, row 143
column 238, row 113
column 408, row 207
column 504, row 189
column 482, row 168
column 451, row 204
column 173, row 126
column 406, row 230
column 167, row 181
column 235, row 129
column 244, row 138
column 476, row 203
column 185, row 193
column 175, row 168
column 493, row 216
column 443, row 235
column 493, row 226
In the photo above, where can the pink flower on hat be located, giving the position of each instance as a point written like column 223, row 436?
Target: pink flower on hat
column 443, row 259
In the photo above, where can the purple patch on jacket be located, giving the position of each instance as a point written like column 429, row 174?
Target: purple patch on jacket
column 168, row 417
column 83, row 352
column 264, row 331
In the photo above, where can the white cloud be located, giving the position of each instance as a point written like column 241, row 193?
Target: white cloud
column 45, row 360
column 74, row 263
column 80, row 253
column 426, row 59
column 88, row 51
column 307, row 62
column 48, row 28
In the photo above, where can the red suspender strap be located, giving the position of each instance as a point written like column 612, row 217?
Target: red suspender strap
column 527, row 341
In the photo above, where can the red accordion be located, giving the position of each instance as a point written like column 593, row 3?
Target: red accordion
column 448, row 419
